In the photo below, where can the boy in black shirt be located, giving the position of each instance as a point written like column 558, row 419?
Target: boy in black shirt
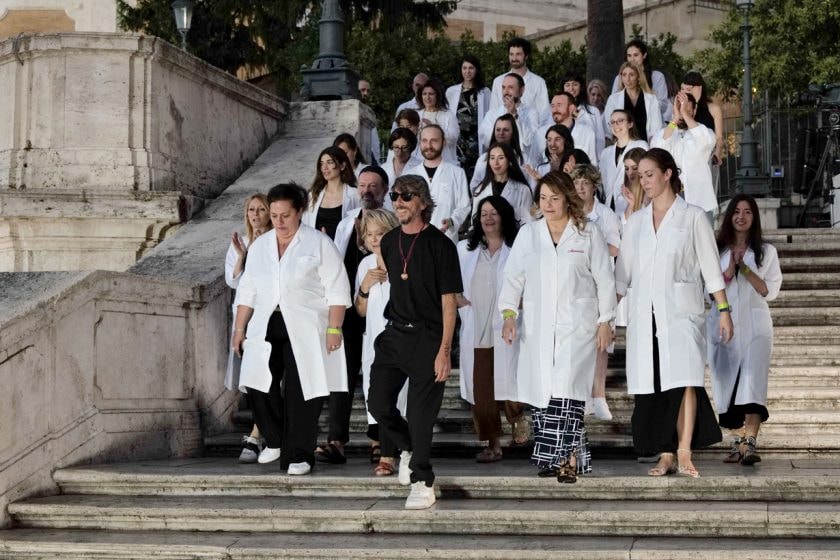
column 425, row 276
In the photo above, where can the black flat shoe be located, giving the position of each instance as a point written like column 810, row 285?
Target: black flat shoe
column 547, row 473
column 330, row 454
column 567, row 474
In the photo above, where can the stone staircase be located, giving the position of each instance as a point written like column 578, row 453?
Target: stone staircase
column 786, row 507
column 804, row 394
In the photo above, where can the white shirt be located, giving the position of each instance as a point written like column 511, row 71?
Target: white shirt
column 450, row 193
column 654, row 117
column 520, row 197
column 525, row 124
column 607, row 222
column 692, row 149
column 483, row 297
column 451, row 131
column 582, row 134
column 612, row 174
column 534, row 98
column 660, row 90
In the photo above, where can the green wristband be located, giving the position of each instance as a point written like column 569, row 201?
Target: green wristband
column 334, row 330
column 508, row 314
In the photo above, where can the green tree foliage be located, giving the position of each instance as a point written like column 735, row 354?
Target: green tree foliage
column 794, row 43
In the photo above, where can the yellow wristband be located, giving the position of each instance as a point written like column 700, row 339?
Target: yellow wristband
column 745, row 270
column 508, row 314
column 334, row 330
column 672, row 124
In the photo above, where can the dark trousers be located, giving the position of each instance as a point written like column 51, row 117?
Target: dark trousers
column 299, row 425
column 401, row 354
column 267, row 408
column 340, row 404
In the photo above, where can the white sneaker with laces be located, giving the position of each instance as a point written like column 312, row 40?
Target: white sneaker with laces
column 269, row 454
column 298, row 469
column 405, row 472
column 601, row 409
column 251, row 448
column 421, row 496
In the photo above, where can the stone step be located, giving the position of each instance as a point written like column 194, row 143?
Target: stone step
column 774, row 479
column 807, row 298
column 810, row 263
column 490, row 516
column 810, row 280
column 784, row 335
column 31, row 544
column 798, row 316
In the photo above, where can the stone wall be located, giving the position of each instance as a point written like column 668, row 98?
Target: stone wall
column 104, row 366
column 116, row 138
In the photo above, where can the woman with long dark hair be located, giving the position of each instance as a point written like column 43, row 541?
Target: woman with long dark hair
column 488, row 369
column 708, row 113
column 470, row 99
column 611, row 161
column 559, row 145
column 740, row 369
column 668, row 256
column 505, row 131
column 331, row 194
column 503, row 177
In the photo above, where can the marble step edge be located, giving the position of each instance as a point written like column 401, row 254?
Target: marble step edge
column 722, row 488
column 31, row 544
column 452, row 516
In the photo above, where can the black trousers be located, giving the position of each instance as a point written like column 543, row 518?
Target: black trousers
column 340, row 404
column 298, row 417
column 400, row 354
column 267, row 408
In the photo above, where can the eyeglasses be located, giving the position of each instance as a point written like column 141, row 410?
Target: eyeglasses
column 617, row 121
column 401, row 148
column 405, row 196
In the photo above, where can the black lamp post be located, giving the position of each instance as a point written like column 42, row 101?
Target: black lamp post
column 183, row 10
column 330, row 76
column 749, row 178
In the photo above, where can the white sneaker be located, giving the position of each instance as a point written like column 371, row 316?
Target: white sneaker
column 588, row 410
column 421, row 496
column 269, row 454
column 298, row 469
column 251, row 448
column 602, row 410
column 405, row 472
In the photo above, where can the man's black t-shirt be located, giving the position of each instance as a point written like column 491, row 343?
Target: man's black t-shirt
column 433, row 270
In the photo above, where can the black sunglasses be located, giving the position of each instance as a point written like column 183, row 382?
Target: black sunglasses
column 405, row 196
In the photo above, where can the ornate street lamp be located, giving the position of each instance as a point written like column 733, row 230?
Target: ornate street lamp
column 183, row 10
column 330, row 76
column 749, row 178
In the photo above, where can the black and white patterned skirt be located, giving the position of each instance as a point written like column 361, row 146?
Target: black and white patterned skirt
column 559, row 433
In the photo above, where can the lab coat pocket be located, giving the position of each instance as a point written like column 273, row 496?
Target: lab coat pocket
column 688, row 298
column 254, row 370
column 304, row 265
column 762, row 323
column 586, row 314
column 529, row 319
column 677, row 241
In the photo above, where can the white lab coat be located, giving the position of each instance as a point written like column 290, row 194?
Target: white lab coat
column 232, row 370
column 751, row 345
column 448, row 121
column 450, row 193
column 481, row 171
column 612, row 174
column 410, row 104
column 519, row 196
column 304, row 283
column 607, row 223
column 654, row 116
column 349, row 201
column 388, row 166
column 692, row 149
column 666, row 270
column 660, row 90
column 534, row 98
column 592, row 117
column 453, row 95
column 345, row 229
column 375, row 322
column 565, row 292
column 505, row 357
column 526, row 124
column 582, row 134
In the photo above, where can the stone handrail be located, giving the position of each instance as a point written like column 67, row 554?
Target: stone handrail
column 104, row 366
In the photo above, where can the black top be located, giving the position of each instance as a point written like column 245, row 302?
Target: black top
column 328, row 219
column 433, row 270
column 430, row 171
column 498, row 187
column 352, row 257
column 638, row 111
column 704, row 117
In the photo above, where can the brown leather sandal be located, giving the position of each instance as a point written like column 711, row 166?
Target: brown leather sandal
column 384, row 469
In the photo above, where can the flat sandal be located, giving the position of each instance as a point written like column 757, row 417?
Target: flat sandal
column 660, row 470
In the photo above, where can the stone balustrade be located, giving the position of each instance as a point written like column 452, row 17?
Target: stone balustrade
column 109, row 140
column 102, row 366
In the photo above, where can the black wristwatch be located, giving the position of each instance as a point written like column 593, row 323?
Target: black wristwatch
column 363, row 295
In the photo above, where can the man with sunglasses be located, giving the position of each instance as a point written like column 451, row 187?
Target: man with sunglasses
column 425, row 276
column 447, row 183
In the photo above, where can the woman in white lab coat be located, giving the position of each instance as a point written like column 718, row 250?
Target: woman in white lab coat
column 667, row 252
column 575, row 84
column 488, row 367
column 469, row 100
column 611, row 161
column 587, row 182
column 740, row 369
column 559, row 268
column 503, row 177
column 635, row 97
column 402, row 144
column 436, row 110
column 333, row 191
column 373, row 290
column 256, row 223
column 297, row 275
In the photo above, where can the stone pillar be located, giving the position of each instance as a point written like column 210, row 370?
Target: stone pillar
column 330, row 76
